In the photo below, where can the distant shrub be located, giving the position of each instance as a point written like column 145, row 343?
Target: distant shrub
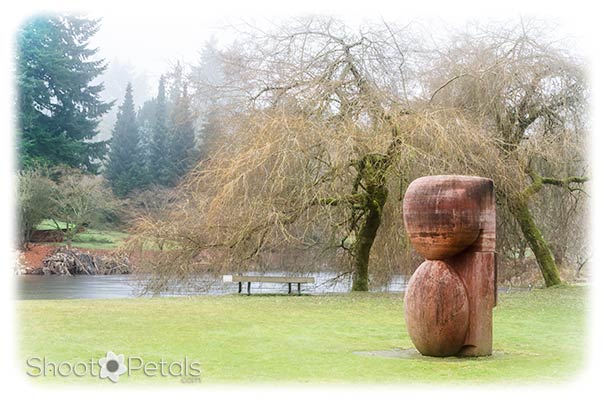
column 35, row 192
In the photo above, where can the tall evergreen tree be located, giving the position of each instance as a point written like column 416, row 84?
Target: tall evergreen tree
column 160, row 141
column 59, row 108
column 175, row 91
column 125, row 168
column 183, row 153
column 146, row 120
column 209, row 131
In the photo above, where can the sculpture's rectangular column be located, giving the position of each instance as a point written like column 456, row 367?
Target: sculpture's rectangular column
column 476, row 267
column 477, row 271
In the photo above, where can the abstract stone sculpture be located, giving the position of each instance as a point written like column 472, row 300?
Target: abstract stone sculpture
column 450, row 220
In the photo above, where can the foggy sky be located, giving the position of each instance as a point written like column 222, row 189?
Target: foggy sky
column 151, row 42
column 150, row 45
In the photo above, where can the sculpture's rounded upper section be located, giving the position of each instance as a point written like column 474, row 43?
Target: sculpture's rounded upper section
column 442, row 213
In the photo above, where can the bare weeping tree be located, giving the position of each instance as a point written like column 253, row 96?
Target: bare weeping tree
column 322, row 128
column 531, row 94
column 284, row 181
column 311, row 144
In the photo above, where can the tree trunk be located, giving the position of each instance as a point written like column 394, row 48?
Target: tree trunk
column 536, row 241
column 365, row 238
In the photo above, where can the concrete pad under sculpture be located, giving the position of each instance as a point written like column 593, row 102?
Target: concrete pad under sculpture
column 450, row 220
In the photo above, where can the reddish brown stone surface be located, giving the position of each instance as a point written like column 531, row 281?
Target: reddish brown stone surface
column 477, row 272
column 436, row 309
column 442, row 215
column 451, row 218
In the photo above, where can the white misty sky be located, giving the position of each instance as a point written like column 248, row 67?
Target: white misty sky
column 152, row 41
column 151, row 44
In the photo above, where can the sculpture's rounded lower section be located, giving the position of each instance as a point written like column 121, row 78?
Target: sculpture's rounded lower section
column 436, row 310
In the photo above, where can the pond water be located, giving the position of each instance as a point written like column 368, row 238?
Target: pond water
column 31, row 287
column 123, row 286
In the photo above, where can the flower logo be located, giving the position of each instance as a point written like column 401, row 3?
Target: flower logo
column 112, row 366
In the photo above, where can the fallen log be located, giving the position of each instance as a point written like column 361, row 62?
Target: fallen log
column 66, row 261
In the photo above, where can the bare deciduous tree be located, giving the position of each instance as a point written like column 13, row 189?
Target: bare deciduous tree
column 532, row 96
column 78, row 201
column 314, row 132
column 34, row 199
column 325, row 127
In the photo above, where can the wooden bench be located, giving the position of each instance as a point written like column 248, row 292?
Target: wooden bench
column 269, row 279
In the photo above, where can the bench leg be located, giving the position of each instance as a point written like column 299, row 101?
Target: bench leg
column 299, row 293
column 249, row 284
column 239, row 288
column 289, row 288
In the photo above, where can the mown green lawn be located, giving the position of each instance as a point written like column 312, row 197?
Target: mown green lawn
column 100, row 239
column 538, row 337
column 49, row 225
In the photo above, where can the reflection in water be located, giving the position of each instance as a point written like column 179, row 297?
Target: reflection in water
column 121, row 286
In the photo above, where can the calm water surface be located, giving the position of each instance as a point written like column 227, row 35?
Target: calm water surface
column 31, row 287
column 123, row 286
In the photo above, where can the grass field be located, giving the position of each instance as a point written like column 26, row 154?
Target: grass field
column 538, row 337
column 97, row 239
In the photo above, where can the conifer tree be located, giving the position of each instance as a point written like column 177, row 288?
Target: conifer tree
column 175, row 77
column 183, row 153
column 160, row 168
column 59, row 106
column 146, row 120
column 125, row 168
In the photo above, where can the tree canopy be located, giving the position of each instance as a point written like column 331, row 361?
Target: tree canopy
column 59, row 105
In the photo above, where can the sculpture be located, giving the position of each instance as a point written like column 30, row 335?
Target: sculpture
column 450, row 220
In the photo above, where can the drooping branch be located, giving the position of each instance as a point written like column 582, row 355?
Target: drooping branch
column 565, row 182
column 539, row 181
column 444, row 85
